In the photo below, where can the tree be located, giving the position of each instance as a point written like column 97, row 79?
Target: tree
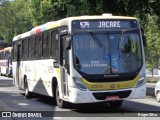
column 153, row 42
column 17, row 16
column 42, row 11
column 14, row 19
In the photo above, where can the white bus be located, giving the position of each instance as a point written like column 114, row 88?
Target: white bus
column 6, row 61
column 85, row 59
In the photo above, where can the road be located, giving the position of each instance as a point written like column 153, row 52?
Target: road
column 12, row 99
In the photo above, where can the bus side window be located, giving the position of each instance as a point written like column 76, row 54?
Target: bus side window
column 24, row 49
column 37, row 49
column 15, row 51
column 31, row 48
column 54, row 44
column 45, row 45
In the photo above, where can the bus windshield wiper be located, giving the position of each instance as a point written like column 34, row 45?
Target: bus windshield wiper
column 97, row 40
column 130, row 30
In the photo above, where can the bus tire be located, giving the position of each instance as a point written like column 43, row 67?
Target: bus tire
column 54, row 85
column 28, row 94
column 60, row 103
column 116, row 104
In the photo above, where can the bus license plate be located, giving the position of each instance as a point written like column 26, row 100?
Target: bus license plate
column 110, row 98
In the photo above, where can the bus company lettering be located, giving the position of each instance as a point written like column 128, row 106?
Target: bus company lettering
column 94, row 64
column 27, row 68
column 109, row 24
column 50, row 69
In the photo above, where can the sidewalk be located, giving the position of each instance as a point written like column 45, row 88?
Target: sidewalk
column 151, row 84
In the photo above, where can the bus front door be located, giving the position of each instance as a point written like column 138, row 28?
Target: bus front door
column 64, row 66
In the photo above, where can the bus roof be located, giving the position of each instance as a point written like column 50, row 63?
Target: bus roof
column 66, row 21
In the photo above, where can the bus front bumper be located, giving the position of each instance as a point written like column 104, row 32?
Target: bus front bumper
column 79, row 96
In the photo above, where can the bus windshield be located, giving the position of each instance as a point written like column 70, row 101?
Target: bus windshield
column 107, row 53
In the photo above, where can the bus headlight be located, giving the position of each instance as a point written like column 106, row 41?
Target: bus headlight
column 79, row 84
column 140, row 82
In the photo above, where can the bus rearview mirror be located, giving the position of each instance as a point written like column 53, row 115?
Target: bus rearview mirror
column 144, row 40
column 143, row 37
column 68, row 43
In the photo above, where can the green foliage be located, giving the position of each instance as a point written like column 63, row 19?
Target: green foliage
column 14, row 19
column 42, row 11
column 153, row 42
column 18, row 16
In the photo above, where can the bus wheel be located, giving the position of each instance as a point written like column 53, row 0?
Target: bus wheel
column 59, row 101
column 116, row 104
column 26, row 90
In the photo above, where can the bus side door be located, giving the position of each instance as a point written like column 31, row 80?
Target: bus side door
column 18, row 67
column 64, row 65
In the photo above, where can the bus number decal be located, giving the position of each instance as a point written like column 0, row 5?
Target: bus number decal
column 27, row 69
column 97, row 86
column 84, row 24
column 50, row 69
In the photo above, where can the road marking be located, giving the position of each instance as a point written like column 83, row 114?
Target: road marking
column 23, row 104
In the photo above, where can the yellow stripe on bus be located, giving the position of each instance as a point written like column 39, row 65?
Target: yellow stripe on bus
column 58, row 73
column 110, row 85
column 54, row 25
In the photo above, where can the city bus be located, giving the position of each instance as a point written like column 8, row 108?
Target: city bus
column 84, row 59
column 6, row 61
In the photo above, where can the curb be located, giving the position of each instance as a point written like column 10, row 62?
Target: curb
column 150, row 90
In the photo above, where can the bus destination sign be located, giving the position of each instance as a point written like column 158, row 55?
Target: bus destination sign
column 104, row 24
